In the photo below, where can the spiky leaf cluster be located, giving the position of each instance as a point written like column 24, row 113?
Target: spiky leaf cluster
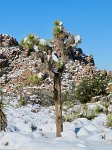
column 58, row 29
column 29, row 41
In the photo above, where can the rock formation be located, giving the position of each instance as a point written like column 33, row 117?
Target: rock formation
column 17, row 69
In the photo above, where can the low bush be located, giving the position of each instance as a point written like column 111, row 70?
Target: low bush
column 71, row 117
column 109, row 120
column 90, row 87
column 98, row 109
column 22, row 101
column 45, row 97
column 87, row 113
column 35, row 79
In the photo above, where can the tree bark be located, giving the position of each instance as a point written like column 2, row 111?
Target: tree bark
column 3, row 121
column 58, row 104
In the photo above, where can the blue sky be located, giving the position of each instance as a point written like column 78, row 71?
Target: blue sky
column 92, row 19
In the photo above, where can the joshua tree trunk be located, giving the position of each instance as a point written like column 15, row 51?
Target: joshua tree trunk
column 55, row 57
column 3, row 121
column 3, row 118
column 58, row 104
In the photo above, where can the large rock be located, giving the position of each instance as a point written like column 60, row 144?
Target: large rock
column 6, row 40
column 90, row 59
column 9, row 51
column 17, row 67
column 3, row 63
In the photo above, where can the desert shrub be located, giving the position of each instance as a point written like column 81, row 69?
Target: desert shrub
column 109, row 120
column 87, row 113
column 68, row 118
column 90, row 87
column 105, row 103
column 98, row 109
column 22, row 101
column 71, row 116
column 84, row 113
column 45, row 97
column 68, row 97
column 34, row 79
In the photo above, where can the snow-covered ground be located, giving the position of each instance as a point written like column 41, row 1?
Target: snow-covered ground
column 36, row 131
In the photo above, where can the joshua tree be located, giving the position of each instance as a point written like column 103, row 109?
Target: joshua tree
column 63, row 43
column 54, row 55
column 3, row 119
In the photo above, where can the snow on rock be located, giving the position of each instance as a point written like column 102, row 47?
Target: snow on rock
column 42, row 41
column 36, row 48
column 77, row 39
column 54, row 57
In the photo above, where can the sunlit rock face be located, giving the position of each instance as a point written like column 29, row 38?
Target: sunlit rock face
column 6, row 40
column 29, row 69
